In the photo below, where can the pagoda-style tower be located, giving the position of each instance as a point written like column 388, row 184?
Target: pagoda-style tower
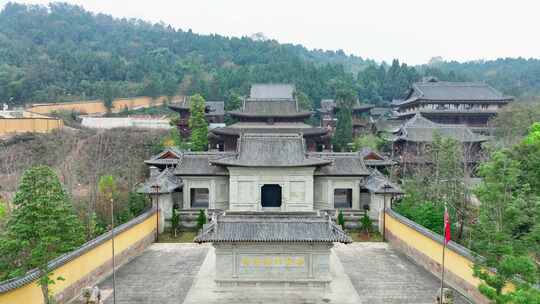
column 464, row 103
column 270, row 108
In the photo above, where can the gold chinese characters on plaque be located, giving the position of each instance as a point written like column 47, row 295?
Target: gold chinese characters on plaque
column 272, row 261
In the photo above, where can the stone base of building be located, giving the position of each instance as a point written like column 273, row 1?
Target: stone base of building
column 225, row 284
column 273, row 263
column 206, row 289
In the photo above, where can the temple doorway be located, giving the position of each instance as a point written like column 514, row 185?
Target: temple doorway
column 199, row 197
column 271, row 196
column 343, row 198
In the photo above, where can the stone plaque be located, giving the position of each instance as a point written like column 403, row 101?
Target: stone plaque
column 260, row 265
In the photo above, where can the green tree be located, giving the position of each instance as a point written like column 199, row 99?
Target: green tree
column 137, row 203
column 507, row 230
column 107, row 188
column 448, row 179
column 43, row 226
column 108, row 96
column 201, row 219
column 304, row 103
column 368, row 141
column 198, row 124
column 366, row 224
column 343, row 134
column 175, row 222
column 437, row 184
column 341, row 219
column 173, row 140
column 233, row 103
column 3, row 214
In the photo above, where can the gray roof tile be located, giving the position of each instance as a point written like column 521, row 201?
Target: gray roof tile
column 272, row 227
column 261, row 127
column 199, row 163
column 341, row 164
column 378, row 183
column 166, row 180
column 453, row 91
column 271, row 150
column 420, row 129
column 216, row 108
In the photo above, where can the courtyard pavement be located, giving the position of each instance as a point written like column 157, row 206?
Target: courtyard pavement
column 373, row 273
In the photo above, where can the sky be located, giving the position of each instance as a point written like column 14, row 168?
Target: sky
column 412, row 31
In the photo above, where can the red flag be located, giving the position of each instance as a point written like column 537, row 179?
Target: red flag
column 446, row 226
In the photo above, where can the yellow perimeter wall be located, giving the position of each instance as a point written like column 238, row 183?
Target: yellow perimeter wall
column 34, row 124
column 97, row 106
column 454, row 262
column 83, row 265
column 458, row 265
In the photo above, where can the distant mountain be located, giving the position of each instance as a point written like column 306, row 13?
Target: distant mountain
column 51, row 53
column 62, row 52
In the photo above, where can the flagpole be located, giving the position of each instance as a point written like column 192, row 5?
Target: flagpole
column 444, row 234
column 442, row 275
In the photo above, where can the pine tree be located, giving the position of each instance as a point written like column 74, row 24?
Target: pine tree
column 507, row 232
column 341, row 219
column 42, row 226
column 201, row 219
column 198, row 124
column 343, row 134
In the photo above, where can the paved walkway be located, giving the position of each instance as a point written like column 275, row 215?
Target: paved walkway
column 162, row 274
column 380, row 274
column 165, row 273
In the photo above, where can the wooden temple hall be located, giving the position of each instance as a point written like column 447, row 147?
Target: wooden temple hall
column 270, row 108
column 466, row 103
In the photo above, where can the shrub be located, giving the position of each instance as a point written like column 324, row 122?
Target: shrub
column 341, row 219
column 201, row 219
column 175, row 222
column 366, row 224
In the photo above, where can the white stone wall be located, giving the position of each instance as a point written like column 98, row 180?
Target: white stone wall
column 296, row 187
column 273, row 262
column 376, row 211
column 124, row 122
column 165, row 209
column 218, row 190
column 324, row 190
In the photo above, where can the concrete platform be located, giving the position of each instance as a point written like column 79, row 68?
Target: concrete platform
column 204, row 290
column 183, row 273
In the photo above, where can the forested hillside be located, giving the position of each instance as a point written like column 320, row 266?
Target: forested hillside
column 47, row 53
column 62, row 52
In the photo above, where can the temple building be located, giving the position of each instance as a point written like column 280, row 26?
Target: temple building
column 272, row 203
column 412, row 141
column 268, row 172
column 214, row 113
column 270, row 108
column 272, row 198
column 361, row 120
column 465, row 103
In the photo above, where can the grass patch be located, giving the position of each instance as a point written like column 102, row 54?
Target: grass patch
column 181, row 237
column 360, row 236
